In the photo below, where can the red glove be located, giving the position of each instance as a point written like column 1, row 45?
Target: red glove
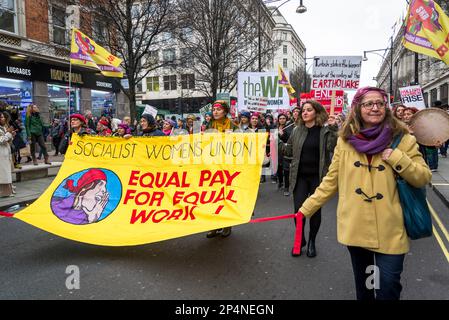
column 298, row 234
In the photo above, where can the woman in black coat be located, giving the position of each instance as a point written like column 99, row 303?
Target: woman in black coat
column 284, row 131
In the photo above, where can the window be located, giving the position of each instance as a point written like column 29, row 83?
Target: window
column 285, row 63
column 16, row 92
column 426, row 99
column 186, row 33
column 8, row 16
column 99, row 31
column 444, row 93
column 102, row 103
column 284, row 36
column 170, row 83
column 169, row 55
column 135, row 11
column 139, row 87
column 153, row 57
column 285, row 49
column 57, row 98
column 167, row 36
column 433, row 96
column 187, row 57
column 188, row 81
column 59, row 28
column 153, row 84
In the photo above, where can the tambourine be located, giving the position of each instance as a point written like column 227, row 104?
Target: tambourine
column 430, row 126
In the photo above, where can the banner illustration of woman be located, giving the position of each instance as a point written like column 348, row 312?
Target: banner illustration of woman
column 85, row 197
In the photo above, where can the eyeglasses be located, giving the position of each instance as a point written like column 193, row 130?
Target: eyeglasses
column 370, row 104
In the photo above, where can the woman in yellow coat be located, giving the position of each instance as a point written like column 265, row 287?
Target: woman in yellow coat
column 369, row 214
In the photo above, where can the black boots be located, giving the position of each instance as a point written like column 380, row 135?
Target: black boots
column 213, row 233
column 303, row 244
column 311, row 250
column 225, row 232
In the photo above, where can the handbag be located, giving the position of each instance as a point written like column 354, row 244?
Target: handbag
column 417, row 219
column 64, row 144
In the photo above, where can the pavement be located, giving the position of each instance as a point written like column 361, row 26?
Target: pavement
column 28, row 191
column 440, row 180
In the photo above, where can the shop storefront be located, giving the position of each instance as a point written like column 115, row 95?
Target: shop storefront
column 16, row 93
column 24, row 81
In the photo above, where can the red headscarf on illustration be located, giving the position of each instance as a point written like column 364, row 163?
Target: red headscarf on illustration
column 87, row 178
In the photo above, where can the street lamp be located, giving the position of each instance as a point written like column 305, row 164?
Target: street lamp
column 391, row 62
column 300, row 9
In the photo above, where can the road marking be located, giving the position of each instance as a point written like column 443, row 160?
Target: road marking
column 441, row 243
column 440, row 184
column 436, row 233
column 437, row 219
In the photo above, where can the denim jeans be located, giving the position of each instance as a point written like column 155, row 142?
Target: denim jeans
column 432, row 157
column 386, row 284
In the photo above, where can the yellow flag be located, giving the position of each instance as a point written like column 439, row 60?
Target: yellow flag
column 85, row 52
column 117, row 192
column 284, row 82
column 427, row 29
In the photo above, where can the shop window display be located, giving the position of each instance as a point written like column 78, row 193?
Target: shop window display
column 58, row 101
column 102, row 103
column 16, row 94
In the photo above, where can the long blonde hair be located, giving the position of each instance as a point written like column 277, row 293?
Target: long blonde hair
column 30, row 109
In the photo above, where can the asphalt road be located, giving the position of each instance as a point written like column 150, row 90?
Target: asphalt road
column 254, row 263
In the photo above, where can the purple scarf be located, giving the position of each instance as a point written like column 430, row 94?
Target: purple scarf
column 373, row 140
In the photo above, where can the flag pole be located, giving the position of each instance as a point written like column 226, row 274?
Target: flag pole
column 70, row 80
column 70, row 90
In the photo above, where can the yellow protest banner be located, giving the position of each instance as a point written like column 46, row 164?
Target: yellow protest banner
column 86, row 52
column 427, row 30
column 118, row 192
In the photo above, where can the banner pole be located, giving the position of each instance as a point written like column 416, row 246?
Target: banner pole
column 70, row 90
column 70, row 82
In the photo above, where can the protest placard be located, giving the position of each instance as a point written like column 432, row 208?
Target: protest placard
column 336, row 72
column 262, row 84
column 412, row 97
column 257, row 104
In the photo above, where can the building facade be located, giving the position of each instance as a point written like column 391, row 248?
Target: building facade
column 291, row 51
column 34, row 62
column 176, row 89
column 410, row 68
